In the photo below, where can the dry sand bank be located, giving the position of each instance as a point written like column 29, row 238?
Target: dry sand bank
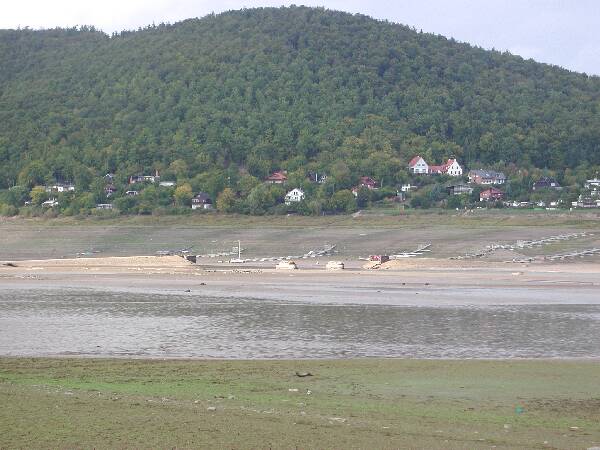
column 425, row 281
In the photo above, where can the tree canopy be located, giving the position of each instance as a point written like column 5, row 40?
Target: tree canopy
column 213, row 100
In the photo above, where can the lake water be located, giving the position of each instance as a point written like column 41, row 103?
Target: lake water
column 117, row 324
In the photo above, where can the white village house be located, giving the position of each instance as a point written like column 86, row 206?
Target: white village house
column 594, row 186
column 59, row 187
column 450, row 167
column 417, row 165
column 294, row 196
column 594, row 182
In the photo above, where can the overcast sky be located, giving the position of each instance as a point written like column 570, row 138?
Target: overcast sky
column 561, row 32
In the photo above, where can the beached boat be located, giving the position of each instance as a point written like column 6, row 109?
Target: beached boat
column 286, row 265
column 335, row 265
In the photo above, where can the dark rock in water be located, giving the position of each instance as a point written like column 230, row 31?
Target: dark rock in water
column 10, row 264
column 202, row 284
column 188, row 290
column 303, row 374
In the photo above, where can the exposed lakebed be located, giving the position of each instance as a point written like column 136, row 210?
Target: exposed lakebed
column 71, row 322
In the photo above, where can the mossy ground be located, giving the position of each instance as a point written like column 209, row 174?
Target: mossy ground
column 366, row 403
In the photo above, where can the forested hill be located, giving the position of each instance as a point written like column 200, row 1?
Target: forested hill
column 285, row 88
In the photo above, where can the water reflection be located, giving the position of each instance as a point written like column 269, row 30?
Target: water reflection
column 42, row 323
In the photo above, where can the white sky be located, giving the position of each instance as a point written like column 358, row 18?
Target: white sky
column 562, row 32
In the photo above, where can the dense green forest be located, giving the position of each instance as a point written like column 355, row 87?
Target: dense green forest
column 222, row 101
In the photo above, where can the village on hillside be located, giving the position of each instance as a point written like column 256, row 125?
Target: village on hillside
column 424, row 185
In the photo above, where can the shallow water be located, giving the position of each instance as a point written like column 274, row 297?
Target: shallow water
column 92, row 323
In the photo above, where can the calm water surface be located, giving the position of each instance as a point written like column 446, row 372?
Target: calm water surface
column 92, row 323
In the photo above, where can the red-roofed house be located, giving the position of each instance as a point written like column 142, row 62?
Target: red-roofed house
column 279, row 177
column 450, row 167
column 490, row 195
column 366, row 182
column 417, row 165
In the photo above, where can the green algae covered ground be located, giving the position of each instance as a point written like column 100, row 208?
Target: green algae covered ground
column 366, row 403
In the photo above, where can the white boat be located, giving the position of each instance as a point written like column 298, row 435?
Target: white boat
column 335, row 265
column 286, row 265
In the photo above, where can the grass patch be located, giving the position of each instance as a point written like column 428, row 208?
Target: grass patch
column 368, row 403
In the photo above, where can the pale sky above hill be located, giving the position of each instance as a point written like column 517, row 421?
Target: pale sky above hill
column 561, row 32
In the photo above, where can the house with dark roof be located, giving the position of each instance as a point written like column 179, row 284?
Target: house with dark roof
column 133, row 179
column 458, row 189
column 546, row 183
column 480, row 176
column 202, row 201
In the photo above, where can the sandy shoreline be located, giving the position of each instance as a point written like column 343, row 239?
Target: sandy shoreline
column 425, row 281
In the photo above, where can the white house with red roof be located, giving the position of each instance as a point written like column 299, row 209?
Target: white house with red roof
column 450, row 167
column 417, row 165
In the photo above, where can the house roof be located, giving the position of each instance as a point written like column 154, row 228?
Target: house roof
column 202, row 197
column 546, row 180
column 279, row 175
column 443, row 168
column 487, row 174
column 492, row 191
column 413, row 162
column 368, row 180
